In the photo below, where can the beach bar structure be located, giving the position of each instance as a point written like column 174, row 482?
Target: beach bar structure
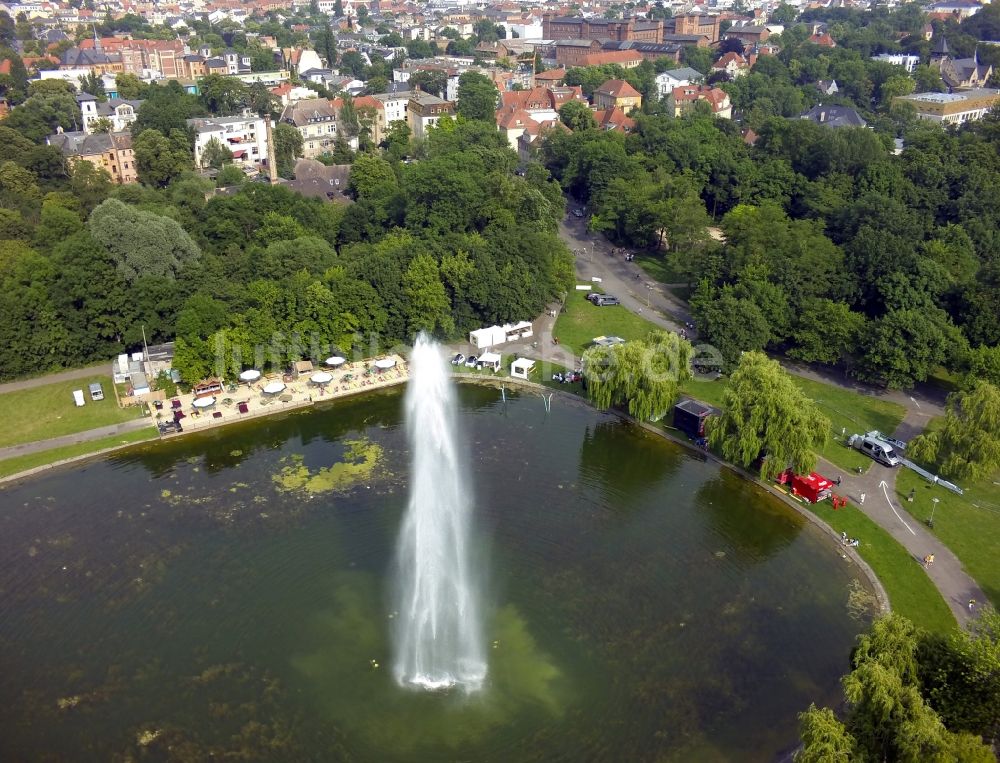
column 494, row 335
column 521, row 368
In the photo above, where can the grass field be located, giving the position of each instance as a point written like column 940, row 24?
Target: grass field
column 854, row 412
column 968, row 524
column 31, row 460
column 911, row 592
column 846, row 410
column 658, row 267
column 582, row 321
column 48, row 411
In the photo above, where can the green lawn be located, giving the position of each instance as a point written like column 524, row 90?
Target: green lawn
column 968, row 524
column 659, row 267
column 31, row 460
column 854, row 412
column 911, row 592
column 846, row 410
column 582, row 321
column 48, row 411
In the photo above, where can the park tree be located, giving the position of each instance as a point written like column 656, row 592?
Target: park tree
column 165, row 108
column 904, row 346
column 19, row 189
column 43, row 114
column 158, row 158
column 220, row 95
column 90, row 185
column 643, row 375
column 824, row 738
column 826, row 332
column 477, row 97
column 960, row 675
column 130, row 87
column 430, row 81
column 765, row 414
column 428, row 308
column 576, row 115
column 142, row 244
column 967, row 444
column 887, row 716
column 215, row 154
column 93, row 84
column 731, row 322
column 287, row 148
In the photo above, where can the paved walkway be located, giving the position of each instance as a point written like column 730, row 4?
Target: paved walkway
column 639, row 294
column 72, row 439
column 58, row 376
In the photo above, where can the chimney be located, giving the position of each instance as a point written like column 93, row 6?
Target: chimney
column 272, row 162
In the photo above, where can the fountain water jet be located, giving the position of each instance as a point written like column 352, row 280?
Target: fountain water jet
column 438, row 637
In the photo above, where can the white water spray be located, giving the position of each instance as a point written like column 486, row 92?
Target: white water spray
column 438, row 638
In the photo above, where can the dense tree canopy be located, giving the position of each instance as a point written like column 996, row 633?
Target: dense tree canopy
column 766, row 417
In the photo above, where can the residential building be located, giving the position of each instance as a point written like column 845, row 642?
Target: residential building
column 824, row 40
column 953, row 9
column 952, row 108
column 393, row 109
column 120, row 113
column 834, row 116
column 617, row 93
column 671, row 78
column 94, row 61
column 532, row 110
column 905, row 60
column 614, row 119
column 683, row 100
column 246, row 137
column 316, row 120
column 733, row 65
column 748, row 34
column 550, row 77
column 111, row 152
column 425, row 110
column 960, row 73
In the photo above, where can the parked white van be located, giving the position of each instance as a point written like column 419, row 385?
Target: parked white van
column 875, row 449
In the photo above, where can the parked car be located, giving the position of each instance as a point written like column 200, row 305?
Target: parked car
column 458, row 360
column 577, row 213
column 471, row 362
column 605, row 300
column 594, row 296
column 875, row 449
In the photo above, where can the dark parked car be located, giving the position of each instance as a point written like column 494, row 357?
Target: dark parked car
column 577, row 213
column 594, row 296
column 458, row 360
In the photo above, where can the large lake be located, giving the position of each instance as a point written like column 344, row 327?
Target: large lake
column 225, row 596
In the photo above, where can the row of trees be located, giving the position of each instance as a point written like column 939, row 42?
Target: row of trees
column 835, row 250
column 913, row 696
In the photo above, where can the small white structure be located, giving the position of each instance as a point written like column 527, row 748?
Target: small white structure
column 521, row 367
column 584, row 287
column 493, row 335
column 490, row 360
column 78, row 397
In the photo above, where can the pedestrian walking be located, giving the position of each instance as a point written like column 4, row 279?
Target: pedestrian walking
column 838, row 480
column 862, row 501
column 972, row 604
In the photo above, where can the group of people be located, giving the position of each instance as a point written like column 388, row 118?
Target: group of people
column 569, row 377
column 625, row 253
column 852, row 542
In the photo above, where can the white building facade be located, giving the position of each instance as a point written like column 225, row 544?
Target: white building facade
column 246, row 137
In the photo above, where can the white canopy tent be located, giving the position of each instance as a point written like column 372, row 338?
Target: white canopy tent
column 385, row 363
column 490, row 360
column 334, row 361
column 204, row 402
column 321, row 378
column 274, row 388
column 250, row 375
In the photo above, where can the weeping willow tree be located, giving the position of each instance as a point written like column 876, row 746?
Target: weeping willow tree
column 967, row 445
column 765, row 413
column 643, row 375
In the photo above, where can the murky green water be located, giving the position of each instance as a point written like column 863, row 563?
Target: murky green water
column 225, row 595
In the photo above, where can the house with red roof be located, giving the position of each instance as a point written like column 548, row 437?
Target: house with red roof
column 617, row 93
column 683, row 99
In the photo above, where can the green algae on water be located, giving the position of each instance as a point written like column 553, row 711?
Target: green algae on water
column 360, row 461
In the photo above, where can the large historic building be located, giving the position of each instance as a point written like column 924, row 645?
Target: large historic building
column 574, row 28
